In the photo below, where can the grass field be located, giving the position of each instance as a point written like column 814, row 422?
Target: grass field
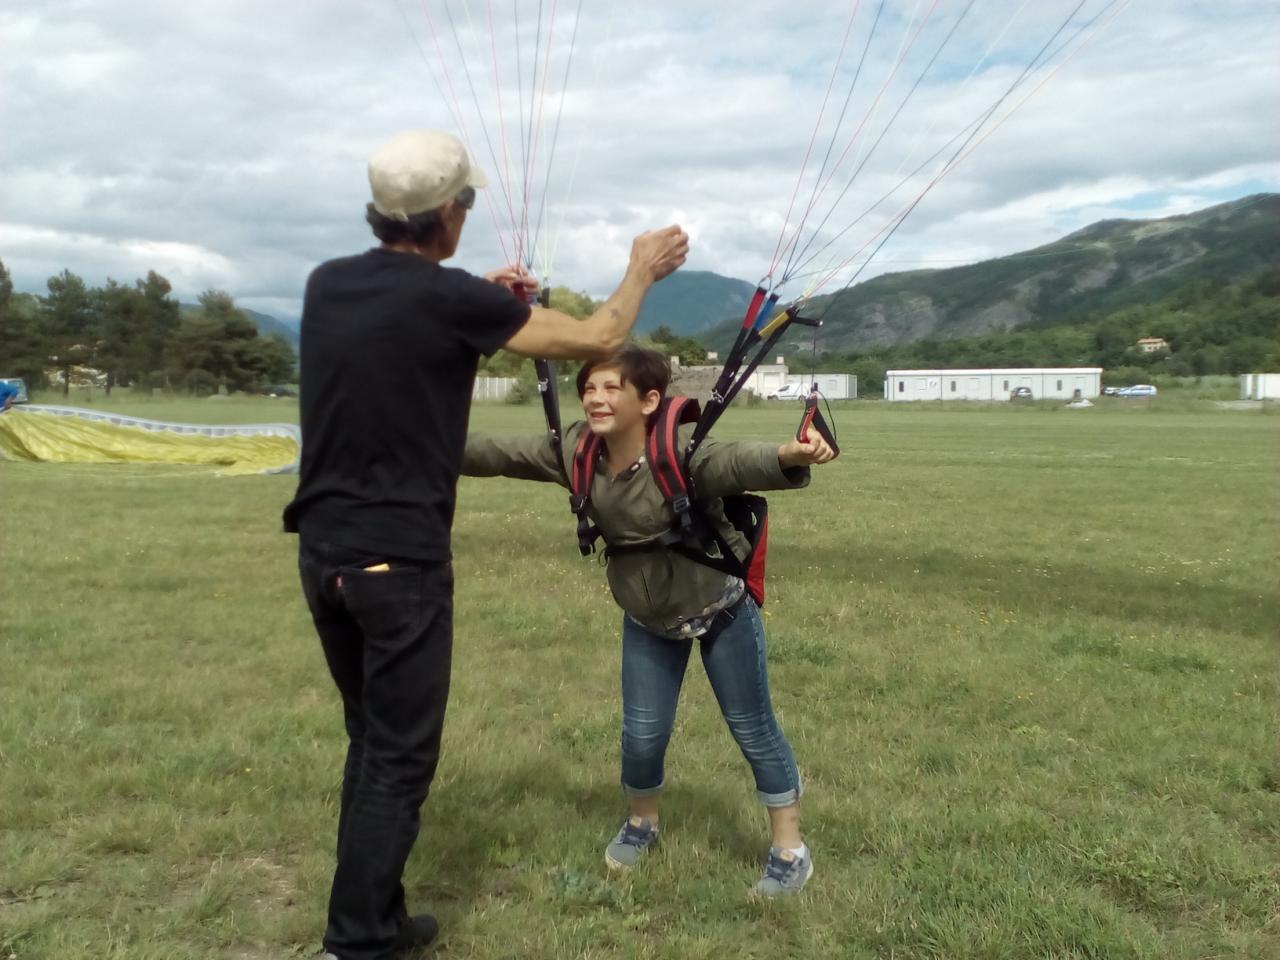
column 1027, row 660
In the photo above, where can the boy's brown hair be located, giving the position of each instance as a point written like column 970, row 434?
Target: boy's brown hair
column 639, row 366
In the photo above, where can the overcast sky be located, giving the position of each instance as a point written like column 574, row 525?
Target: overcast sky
column 223, row 143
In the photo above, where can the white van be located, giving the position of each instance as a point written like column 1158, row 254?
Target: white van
column 791, row 391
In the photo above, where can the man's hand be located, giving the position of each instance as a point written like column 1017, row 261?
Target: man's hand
column 657, row 253
column 797, row 454
column 515, row 278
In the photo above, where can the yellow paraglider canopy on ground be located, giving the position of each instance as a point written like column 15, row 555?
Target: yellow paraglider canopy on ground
column 70, row 435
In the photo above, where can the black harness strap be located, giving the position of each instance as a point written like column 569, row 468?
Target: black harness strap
column 546, row 373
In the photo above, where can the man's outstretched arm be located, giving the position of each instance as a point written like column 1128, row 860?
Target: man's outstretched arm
column 553, row 335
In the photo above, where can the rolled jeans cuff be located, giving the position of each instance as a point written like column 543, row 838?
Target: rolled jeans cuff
column 645, row 791
column 784, row 799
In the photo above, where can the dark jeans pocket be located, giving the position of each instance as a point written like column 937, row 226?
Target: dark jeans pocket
column 383, row 602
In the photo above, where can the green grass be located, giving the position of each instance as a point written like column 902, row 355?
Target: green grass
column 1026, row 658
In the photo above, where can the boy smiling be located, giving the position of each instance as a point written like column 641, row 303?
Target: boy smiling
column 670, row 599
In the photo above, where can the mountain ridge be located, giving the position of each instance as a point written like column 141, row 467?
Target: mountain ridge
column 1104, row 266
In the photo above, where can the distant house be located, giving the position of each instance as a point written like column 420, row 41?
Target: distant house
column 1153, row 345
column 769, row 378
column 766, row 380
column 79, row 375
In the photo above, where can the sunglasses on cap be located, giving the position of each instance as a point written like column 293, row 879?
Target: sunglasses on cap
column 466, row 198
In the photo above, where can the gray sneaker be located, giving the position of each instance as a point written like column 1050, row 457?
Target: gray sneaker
column 783, row 877
column 635, row 837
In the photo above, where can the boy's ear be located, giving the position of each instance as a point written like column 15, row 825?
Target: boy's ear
column 650, row 402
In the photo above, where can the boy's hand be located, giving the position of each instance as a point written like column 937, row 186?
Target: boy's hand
column 797, row 454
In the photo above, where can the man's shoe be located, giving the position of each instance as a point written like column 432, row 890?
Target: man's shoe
column 416, row 932
column 784, row 875
column 635, row 837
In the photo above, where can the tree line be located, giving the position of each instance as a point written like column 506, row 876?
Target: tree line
column 1211, row 326
column 137, row 335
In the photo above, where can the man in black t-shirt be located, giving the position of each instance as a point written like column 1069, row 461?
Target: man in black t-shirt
column 390, row 345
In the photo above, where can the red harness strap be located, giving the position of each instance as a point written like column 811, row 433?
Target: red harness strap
column 663, row 451
column 585, row 457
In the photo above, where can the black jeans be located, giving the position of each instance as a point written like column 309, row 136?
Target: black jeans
column 388, row 639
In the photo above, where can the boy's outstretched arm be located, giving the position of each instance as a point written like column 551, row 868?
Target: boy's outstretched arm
column 723, row 468
column 521, row 458
column 804, row 453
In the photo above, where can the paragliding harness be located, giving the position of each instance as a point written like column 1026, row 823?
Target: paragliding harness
column 692, row 534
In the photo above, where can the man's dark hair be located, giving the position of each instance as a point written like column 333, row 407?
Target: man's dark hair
column 421, row 228
column 641, row 367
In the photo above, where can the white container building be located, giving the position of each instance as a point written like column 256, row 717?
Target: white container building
column 492, row 388
column 995, row 383
column 1260, row 386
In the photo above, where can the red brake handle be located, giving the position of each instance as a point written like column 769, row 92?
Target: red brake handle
column 810, row 410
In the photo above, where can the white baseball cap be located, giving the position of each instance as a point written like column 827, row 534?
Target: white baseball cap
column 420, row 170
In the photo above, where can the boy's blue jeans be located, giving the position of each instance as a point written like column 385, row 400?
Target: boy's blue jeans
column 652, row 671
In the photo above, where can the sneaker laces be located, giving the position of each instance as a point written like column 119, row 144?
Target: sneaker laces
column 635, row 835
column 780, row 869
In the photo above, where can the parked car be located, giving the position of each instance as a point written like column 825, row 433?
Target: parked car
column 1021, row 393
column 1138, row 390
column 279, row 390
column 1110, row 391
column 17, row 384
column 791, row 391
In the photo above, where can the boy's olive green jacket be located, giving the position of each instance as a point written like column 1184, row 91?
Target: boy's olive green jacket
column 658, row 588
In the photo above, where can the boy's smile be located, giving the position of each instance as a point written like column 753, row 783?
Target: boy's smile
column 612, row 407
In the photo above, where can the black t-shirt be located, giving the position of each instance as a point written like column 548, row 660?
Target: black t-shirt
column 390, row 345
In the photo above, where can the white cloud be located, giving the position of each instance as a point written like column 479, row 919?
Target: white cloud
column 223, row 143
column 122, row 259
